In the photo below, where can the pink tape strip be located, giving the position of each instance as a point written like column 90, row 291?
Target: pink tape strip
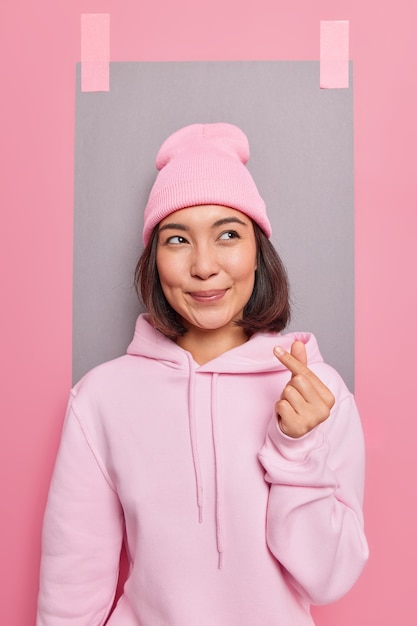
column 334, row 54
column 95, row 52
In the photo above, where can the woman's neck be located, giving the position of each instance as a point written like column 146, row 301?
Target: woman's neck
column 206, row 345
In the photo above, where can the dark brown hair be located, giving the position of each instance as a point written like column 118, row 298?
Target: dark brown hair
column 268, row 309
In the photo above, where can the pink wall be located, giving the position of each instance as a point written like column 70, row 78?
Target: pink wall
column 40, row 45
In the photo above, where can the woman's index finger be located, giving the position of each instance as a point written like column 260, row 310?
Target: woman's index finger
column 292, row 363
column 296, row 366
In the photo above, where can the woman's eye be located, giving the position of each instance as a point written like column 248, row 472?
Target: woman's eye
column 229, row 234
column 176, row 239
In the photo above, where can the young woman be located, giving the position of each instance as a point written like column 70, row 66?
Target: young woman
column 227, row 456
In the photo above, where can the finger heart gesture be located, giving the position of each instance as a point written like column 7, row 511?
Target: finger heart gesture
column 305, row 401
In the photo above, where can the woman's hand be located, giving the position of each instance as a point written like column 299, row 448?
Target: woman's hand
column 305, row 401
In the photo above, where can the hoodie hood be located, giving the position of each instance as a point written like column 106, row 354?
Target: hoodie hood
column 254, row 356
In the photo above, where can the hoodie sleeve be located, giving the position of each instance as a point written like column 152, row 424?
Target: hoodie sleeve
column 82, row 536
column 314, row 519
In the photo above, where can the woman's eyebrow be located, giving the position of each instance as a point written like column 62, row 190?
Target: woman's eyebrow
column 173, row 226
column 221, row 222
column 228, row 220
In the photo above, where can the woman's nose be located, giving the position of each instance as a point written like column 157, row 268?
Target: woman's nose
column 204, row 263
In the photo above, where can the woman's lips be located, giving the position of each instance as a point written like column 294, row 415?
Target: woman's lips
column 213, row 295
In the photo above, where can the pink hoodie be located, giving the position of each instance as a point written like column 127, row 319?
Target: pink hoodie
column 227, row 521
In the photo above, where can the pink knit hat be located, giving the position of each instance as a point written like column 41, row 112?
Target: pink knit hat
column 204, row 164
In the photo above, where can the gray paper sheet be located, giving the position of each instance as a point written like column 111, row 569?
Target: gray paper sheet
column 301, row 140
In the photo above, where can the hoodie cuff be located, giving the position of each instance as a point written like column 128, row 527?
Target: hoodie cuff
column 291, row 448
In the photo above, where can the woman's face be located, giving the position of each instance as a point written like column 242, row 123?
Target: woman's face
column 206, row 260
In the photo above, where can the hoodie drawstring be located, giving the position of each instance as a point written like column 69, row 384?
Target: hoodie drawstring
column 217, row 456
column 193, row 439
column 218, row 470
